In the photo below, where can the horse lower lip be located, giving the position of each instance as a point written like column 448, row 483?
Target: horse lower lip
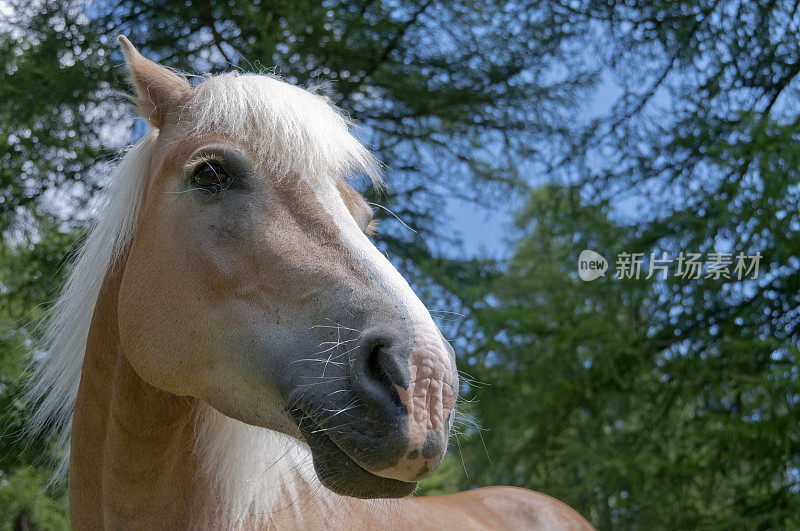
column 363, row 484
column 311, row 430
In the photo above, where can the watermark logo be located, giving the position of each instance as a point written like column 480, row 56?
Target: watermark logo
column 591, row 265
column 690, row 266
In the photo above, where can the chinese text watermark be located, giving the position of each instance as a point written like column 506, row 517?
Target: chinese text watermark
column 689, row 266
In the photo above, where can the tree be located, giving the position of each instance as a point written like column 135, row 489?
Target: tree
column 615, row 411
column 702, row 142
column 29, row 274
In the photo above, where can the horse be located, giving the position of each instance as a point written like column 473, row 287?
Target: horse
column 230, row 349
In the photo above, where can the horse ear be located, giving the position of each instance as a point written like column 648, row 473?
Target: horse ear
column 159, row 91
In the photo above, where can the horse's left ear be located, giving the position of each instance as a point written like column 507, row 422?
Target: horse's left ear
column 159, row 91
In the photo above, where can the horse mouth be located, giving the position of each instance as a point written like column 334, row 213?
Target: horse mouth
column 339, row 472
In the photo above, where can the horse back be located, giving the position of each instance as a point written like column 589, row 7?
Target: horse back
column 495, row 508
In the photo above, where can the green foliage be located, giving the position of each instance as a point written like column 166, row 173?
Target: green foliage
column 631, row 425
column 650, row 403
column 28, row 503
column 29, row 275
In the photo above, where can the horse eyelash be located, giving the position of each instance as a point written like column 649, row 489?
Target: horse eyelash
column 195, row 162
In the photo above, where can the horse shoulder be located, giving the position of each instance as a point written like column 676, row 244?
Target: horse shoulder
column 495, row 508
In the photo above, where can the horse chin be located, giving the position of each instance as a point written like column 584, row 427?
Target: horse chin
column 341, row 474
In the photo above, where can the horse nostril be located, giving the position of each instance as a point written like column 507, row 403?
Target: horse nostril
column 375, row 366
column 379, row 365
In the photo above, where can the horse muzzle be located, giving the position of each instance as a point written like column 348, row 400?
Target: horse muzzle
column 383, row 423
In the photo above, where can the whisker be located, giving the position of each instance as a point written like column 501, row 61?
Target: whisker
column 338, row 326
column 334, row 346
column 395, row 216
column 317, row 360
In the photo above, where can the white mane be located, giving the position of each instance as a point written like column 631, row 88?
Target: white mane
column 56, row 375
column 295, row 132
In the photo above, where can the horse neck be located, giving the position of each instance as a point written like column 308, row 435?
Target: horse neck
column 131, row 449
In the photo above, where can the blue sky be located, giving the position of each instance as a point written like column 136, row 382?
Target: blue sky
column 487, row 232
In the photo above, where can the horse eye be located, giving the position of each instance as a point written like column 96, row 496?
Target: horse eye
column 211, row 177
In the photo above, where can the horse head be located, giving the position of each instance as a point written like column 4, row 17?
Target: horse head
column 251, row 283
